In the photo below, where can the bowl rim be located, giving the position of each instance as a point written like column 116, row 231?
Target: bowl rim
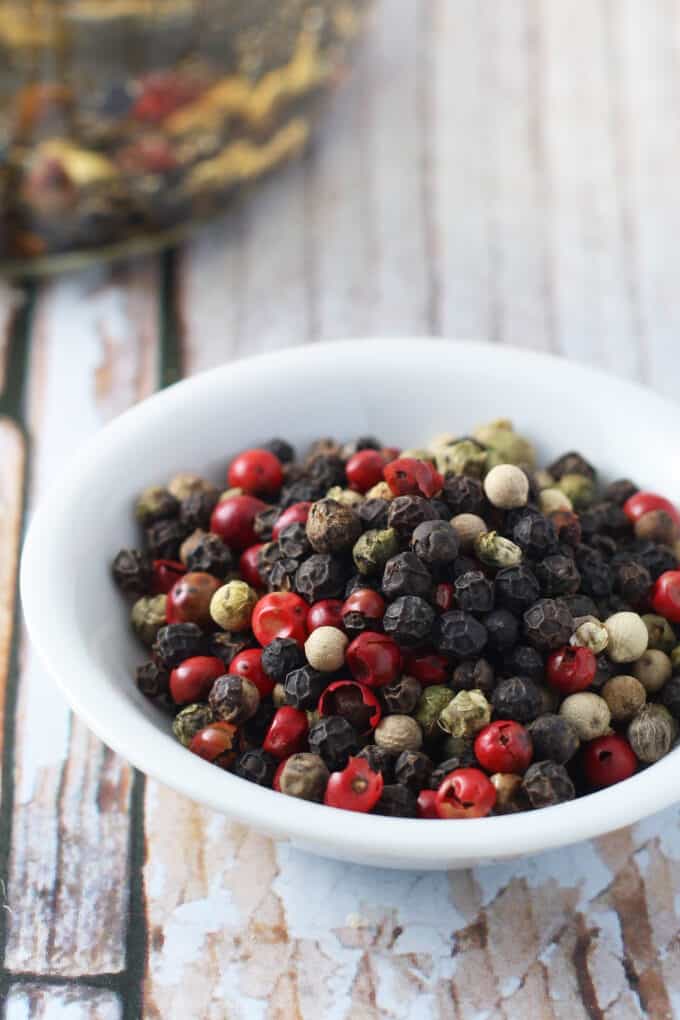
column 54, row 633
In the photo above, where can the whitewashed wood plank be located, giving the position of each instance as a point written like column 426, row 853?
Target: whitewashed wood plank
column 595, row 310
column 93, row 353
column 12, row 465
column 50, row 1002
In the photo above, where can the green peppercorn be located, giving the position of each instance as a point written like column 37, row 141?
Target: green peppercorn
column 505, row 445
column 183, row 484
column 419, row 453
column 232, row 605
column 148, row 616
column 579, row 488
column 398, row 733
column 332, row 527
column 347, row 497
column 496, row 551
column 304, row 776
column 466, row 714
column 373, row 549
column 431, row 702
column 651, row 733
column 464, row 457
column 155, row 503
column 661, row 634
column 551, row 500
column 190, row 720
column 456, row 747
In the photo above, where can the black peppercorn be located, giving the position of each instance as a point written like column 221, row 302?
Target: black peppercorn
column 256, row 766
column 474, row 592
column 358, row 581
column 264, row 522
column 413, row 769
column 155, row 504
column 362, row 443
column 397, row 801
column 233, row 698
column 326, row 470
column 632, row 581
column 596, row 576
column 670, row 695
column 523, row 660
column 464, row 495
column 435, row 542
column 546, row 783
column 554, row 738
column 132, row 571
column 548, row 624
column 301, row 490
column 281, row 576
column 321, row 577
column 334, row 739
column 571, row 463
column 567, row 526
column 604, row 518
column 473, row 675
column 401, row 696
column 177, row 642
column 404, row 574
column 605, row 670
column 656, row 558
column 152, row 680
column 558, row 575
column 210, row 556
column 518, row 698
column 332, row 527
column 460, row 636
column 516, row 588
column 466, row 759
column 409, row 620
column 406, row 513
column 461, row 565
column 380, row 760
column 535, row 535
column 620, row 490
column 441, row 509
column 196, row 508
column 605, row 545
column 225, row 645
column 373, row 514
column 280, row 448
column 502, row 629
column 254, row 730
column 280, row 657
column 580, row 605
column 303, row 687
column 164, row 538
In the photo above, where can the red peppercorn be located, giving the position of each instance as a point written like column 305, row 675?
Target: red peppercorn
column 280, row 614
column 249, row 664
column 325, row 613
column 232, row 519
column 666, row 595
column 608, row 760
column 356, row 788
column 353, row 700
column 444, row 595
column 365, row 469
column 504, row 746
column 192, row 679
column 427, row 667
column 295, row 514
column 571, row 669
column 248, row 565
column 465, row 793
column 287, row 733
column 407, row 476
column 162, row 93
column 427, row 804
column 216, row 743
column 365, row 601
column 164, row 574
column 189, row 598
column 256, row 471
column 374, row 659
column 642, row 502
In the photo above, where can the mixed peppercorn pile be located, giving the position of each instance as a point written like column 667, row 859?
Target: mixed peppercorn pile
column 445, row 632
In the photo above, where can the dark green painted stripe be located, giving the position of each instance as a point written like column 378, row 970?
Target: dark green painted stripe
column 171, row 360
column 16, row 366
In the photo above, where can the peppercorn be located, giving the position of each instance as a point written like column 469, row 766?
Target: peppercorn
column 164, row 538
column 301, row 490
column 397, row 801
column 304, row 776
column 435, row 542
column 210, row 555
column 675, row 658
column 656, row 526
column 628, row 637
column 234, row 698
column 474, row 593
column 380, row 491
column 232, row 605
column 398, row 733
column 225, row 646
column 571, row 463
column 518, row 698
column 507, row 446
column 535, row 534
column 279, row 695
column 620, row 491
column 155, row 503
column 509, row 793
column 468, row 528
column 321, row 577
column 651, row 733
column 413, row 769
column 589, row 633
column 465, row 758
column 670, row 695
column 546, row 783
column 280, row 657
column 406, row 513
column 263, row 523
column 282, row 575
column 152, row 680
column 303, row 687
column 254, row 731
column 380, row 760
column 466, row 714
column 523, row 660
column 190, row 720
column 280, row 448
column 430, row 704
column 506, row 486
column 131, row 571
column 558, row 575
column 293, row 541
column 191, row 543
column 548, row 624
column 325, row 648
column 404, row 574
column 554, row 738
column 460, row 635
column 632, row 581
column 357, row 445
column 176, row 642
column 516, row 588
column 473, row 674
column 401, row 696
column 148, row 616
column 373, row 549
column 496, row 551
column 660, row 634
column 346, row 497
column 196, row 509
column 625, row 696
column 408, row 620
column 596, row 576
column 579, row 488
column 334, row 739
column 502, row 629
column 256, row 766
column 580, row 606
column 605, row 518
column 373, row 513
column 464, row 495
column 332, row 527
column 567, row 527
column 461, row 457
column 588, row 713
column 653, row 669
column 656, row 558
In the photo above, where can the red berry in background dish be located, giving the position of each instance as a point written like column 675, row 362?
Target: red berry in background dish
column 354, row 701
column 295, row 514
column 280, row 614
column 164, row 574
column 287, row 733
column 444, row 596
column 325, row 613
column 666, row 595
column 249, row 664
column 189, row 598
column 369, row 603
column 248, row 565
column 365, row 469
column 374, row 659
column 192, row 679
column 427, row 667
column 608, row 760
column 356, row 788
column 570, row 670
column 642, row 502
column 216, row 743
column 232, row 519
column 465, row 793
column 256, row 471
column 427, row 804
column 407, row 476
column 161, row 93
column 504, row 746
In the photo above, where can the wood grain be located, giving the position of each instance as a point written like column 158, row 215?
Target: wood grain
column 10, row 299
column 93, row 353
column 12, row 462
column 33, row 1001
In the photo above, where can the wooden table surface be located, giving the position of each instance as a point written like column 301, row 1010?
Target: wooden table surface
column 507, row 171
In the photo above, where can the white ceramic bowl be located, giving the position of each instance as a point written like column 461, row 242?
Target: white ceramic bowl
column 403, row 391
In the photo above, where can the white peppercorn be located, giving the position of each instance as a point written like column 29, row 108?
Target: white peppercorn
column 468, row 527
column 325, row 648
column 398, row 733
column 652, row 669
column 651, row 733
column 628, row 637
column 551, row 500
column 588, row 713
column 625, row 696
column 506, row 486
column 590, row 633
